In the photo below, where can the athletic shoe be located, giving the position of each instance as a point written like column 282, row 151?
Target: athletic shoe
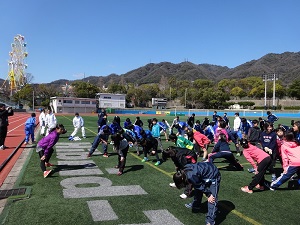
column 238, row 154
column 46, row 173
column 84, row 137
column 157, row 163
column 262, row 188
column 183, row 196
column 189, row 205
column 48, row 164
column 25, row 143
column 252, row 170
column 117, row 167
column 145, row 160
column 1, row 147
column 70, row 138
column 119, row 173
column 105, row 155
column 246, row 189
column 273, row 178
column 172, row 185
column 89, row 155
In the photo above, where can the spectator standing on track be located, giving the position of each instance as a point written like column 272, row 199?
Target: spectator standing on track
column 42, row 121
column 78, row 124
column 50, row 121
column 4, row 114
column 29, row 129
column 45, row 147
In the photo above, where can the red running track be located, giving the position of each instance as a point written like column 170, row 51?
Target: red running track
column 13, row 142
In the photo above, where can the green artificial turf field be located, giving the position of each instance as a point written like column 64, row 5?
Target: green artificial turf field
column 50, row 201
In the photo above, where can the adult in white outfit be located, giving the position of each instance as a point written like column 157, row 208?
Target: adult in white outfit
column 78, row 124
column 42, row 122
column 50, row 121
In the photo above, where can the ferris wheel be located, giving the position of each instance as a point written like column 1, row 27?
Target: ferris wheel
column 17, row 63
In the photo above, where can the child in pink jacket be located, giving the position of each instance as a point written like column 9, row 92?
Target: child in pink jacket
column 260, row 161
column 290, row 152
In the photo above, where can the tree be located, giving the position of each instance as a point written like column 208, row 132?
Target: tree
column 45, row 92
column 293, row 90
column 238, row 92
column 84, row 89
column 24, row 95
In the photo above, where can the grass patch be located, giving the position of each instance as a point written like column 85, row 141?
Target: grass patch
column 47, row 204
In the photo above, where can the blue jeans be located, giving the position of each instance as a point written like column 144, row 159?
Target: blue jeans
column 286, row 176
column 96, row 143
column 213, row 188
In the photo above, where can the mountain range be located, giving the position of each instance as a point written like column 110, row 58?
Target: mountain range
column 286, row 65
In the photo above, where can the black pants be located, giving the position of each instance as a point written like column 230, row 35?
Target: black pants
column 261, row 169
column 3, row 134
column 46, row 160
column 121, row 164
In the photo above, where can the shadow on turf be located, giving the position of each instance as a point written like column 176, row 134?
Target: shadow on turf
column 224, row 208
column 133, row 168
column 71, row 167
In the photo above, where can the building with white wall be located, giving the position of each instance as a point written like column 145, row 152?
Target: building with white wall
column 73, row 105
column 114, row 101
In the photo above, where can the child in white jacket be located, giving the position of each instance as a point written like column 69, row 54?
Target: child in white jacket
column 78, row 124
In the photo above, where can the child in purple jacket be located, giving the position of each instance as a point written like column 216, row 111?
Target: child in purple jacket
column 45, row 147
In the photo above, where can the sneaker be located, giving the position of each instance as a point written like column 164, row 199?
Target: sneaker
column 246, row 189
column 1, row 147
column 252, row 170
column 25, row 143
column 48, row 164
column 105, row 155
column 262, row 188
column 89, row 155
column 183, row 196
column 238, row 154
column 273, row 178
column 145, row 160
column 84, row 137
column 172, row 185
column 119, row 173
column 138, row 153
column 189, row 205
column 157, row 163
column 46, row 173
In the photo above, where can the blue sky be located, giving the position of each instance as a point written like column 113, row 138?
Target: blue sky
column 69, row 39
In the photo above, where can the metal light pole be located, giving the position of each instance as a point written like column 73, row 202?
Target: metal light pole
column 33, row 100
column 270, row 77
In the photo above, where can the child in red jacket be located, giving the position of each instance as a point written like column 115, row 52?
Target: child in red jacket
column 200, row 141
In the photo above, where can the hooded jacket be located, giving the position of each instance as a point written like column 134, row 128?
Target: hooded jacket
column 290, row 154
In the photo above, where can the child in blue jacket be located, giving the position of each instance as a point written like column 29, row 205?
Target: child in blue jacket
column 29, row 128
column 204, row 177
